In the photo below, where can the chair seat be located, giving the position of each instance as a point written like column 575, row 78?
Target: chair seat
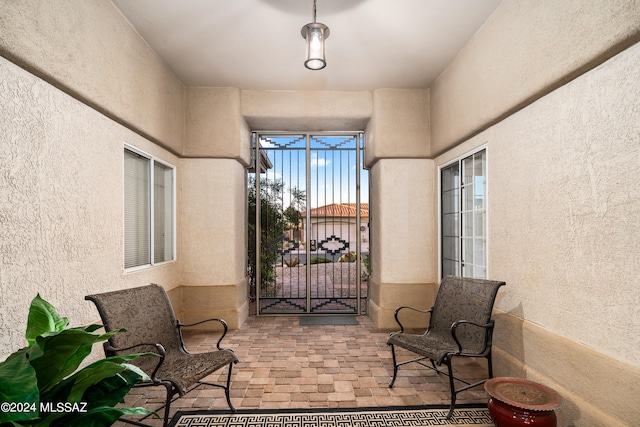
column 430, row 346
column 186, row 369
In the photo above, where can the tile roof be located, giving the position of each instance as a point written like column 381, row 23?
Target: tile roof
column 344, row 210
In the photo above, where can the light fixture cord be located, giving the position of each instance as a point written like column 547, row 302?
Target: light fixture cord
column 314, row 11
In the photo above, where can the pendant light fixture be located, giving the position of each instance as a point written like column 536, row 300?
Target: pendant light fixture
column 315, row 34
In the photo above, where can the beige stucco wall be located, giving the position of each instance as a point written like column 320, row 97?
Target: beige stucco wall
column 306, row 110
column 61, row 212
column 524, row 50
column 402, row 220
column 213, row 257
column 399, row 125
column 564, row 235
column 214, row 125
column 88, row 49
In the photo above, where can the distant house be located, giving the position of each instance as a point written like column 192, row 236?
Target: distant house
column 334, row 229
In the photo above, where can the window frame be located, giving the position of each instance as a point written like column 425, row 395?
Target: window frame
column 151, row 219
column 459, row 160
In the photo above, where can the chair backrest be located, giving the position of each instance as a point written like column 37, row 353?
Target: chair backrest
column 461, row 298
column 145, row 312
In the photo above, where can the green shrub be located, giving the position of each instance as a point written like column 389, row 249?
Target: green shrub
column 318, row 260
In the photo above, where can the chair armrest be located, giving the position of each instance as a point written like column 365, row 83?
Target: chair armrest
column 454, row 326
column 225, row 327
column 159, row 350
column 395, row 314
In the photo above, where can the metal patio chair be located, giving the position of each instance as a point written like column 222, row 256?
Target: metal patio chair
column 460, row 325
column 151, row 326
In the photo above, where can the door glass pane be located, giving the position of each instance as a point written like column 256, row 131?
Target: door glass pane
column 469, row 198
column 450, row 268
column 467, row 166
column 479, row 272
column 479, row 166
column 468, row 251
column 479, row 252
column 479, row 224
column 450, row 223
column 467, row 224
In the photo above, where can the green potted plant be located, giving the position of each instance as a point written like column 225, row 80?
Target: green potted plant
column 41, row 385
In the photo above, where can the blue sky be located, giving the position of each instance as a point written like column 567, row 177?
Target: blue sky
column 332, row 163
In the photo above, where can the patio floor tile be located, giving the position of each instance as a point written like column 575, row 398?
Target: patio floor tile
column 284, row 365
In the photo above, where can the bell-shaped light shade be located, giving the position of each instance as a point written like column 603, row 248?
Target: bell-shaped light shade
column 315, row 35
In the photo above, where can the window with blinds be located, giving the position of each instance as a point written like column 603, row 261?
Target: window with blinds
column 148, row 210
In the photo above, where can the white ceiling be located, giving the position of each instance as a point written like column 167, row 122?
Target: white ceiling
column 256, row 44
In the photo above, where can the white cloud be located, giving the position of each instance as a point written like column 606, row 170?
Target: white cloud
column 319, row 162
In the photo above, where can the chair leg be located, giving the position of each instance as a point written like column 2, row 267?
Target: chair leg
column 395, row 366
column 167, row 405
column 453, row 389
column 228, row 388
column 490, row 364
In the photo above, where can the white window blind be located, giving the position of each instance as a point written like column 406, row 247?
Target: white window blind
column 137, row 241
column 148, row 211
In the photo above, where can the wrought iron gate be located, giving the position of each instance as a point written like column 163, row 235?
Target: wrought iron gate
column 308, row 224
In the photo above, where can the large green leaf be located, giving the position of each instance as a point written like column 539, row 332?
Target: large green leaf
column 111, row 391
column 18, row 384
column 61, row 353
column 72, row 388
column 94, row 327
column 103, row 383
column 43, row 318
column 88, row 377
column 123, row 359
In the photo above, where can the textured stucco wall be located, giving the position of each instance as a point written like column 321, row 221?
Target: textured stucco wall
column 524, row 50
column 568, row 213
column 89, row 50
column 402, row 219
column 212, row 221
column 61, row 183
column 564, row 235
column 399, row 125
column 215, row 126
column 306, row 110
column 213, row 240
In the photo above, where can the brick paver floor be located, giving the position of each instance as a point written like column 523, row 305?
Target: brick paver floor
column 285, row 365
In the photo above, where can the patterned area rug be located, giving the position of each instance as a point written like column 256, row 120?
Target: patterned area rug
column 464, row 415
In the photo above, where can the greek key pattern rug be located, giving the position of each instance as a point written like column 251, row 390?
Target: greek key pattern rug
column 357, row 417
